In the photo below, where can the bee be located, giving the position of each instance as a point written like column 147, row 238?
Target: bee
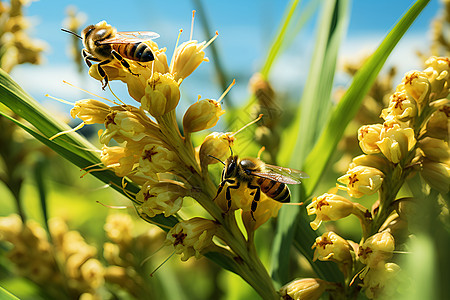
column 259, row 177
column 103, row 44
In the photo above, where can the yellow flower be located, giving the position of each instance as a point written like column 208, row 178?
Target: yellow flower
column 304, row 289
column 329, row 207
column 216, row 144
column 401, row 107
column 380, row 282
column 125, row 125
column 266, row 209
column 375, row 161
column 191, row 237
column 368, row 136
column 362, row 180
column 202, row 115
column 119, row 159
column 395, row 142
column 90, row 111
column 438, row 126
column 92, row 273
column 187, row 57
column 332, row 247
column 438, row 75
column 437, row 175
column 162, row 197
column 416, row 84
column 161, row 94
column 156, row 159
column 434, row 149
column 376, row 249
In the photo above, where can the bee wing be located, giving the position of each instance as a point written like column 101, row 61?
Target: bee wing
column 127, row 37
column 280, row 174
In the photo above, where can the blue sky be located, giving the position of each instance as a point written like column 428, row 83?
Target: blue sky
column 245, row 31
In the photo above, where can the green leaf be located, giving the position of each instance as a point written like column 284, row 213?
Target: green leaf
column 5, row 295
column 315, row 104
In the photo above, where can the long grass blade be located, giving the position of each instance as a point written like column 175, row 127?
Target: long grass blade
column 314, row 106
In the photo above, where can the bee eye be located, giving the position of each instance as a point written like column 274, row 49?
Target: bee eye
column 230, row 169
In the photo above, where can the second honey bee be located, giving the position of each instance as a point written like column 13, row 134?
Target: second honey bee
column 103, row 44
column 259, row 177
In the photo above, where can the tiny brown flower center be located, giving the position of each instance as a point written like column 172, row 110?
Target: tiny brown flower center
column 110, row 119
column 364, row 252
column 324, row 242
column 398, row 99
column 149, row 153
column 179, row 238
column 322, row 203
column 410, row 77
column 352, row 180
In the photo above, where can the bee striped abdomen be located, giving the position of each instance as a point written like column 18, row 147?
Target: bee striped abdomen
column 276, row 190
column 137, row 51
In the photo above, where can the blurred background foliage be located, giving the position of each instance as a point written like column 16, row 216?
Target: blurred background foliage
column 112, row 251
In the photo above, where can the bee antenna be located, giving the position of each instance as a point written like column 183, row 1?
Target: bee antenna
column 71, row 32
column 216, row 158
column 231, row 150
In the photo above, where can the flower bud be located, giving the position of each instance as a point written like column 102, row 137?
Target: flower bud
column 161, row 94
column 438, row 75
column 375, row 161
column 216, row 144
column 368, row 136
column 439, row 123
column 416, row 85
column 395, row 142
column 158, row 198
column 328, row 207
column 304, row 289
column 187, row 57
column 362, row 180
column 437, row 175
column 191, row 237
column 434, row 149
column 332, row 247
column 202, row 115
column 90, row 111
column 376, row 249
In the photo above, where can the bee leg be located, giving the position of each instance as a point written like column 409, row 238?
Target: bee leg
column 233, row 185
column 256, row 198
column 123, row 62
column 88, row 58
column 102, row 72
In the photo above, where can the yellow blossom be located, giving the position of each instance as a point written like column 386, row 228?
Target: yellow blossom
column 329, row 207
column 416, row 84
column 438, row 75
column 191, row 237
column 437, row 175
column 216, row 144
column 125, row 125
column 157, row 159
column 401, row 107
column 157, row 198
column 90, row 111
column 202, row 115
column 119, row 159
column 362, row 180
column 266, row 209
column 434, row 149
column 161, row 94
column 395, row 142
column 368, row 136
column 380, row 282
column 304, row 289
column 376, row 249
column 187, row 57
column 438, row 126
column 332, row 247
column 92, row 273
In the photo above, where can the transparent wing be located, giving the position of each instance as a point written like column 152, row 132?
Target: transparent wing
column 280, row 174
column 129, row 37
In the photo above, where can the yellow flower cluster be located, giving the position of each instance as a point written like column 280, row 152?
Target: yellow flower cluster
column 68, row 263
column 413, row 137
column 15, row 44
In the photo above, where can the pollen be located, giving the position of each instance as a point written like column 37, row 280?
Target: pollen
column 353, row 179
